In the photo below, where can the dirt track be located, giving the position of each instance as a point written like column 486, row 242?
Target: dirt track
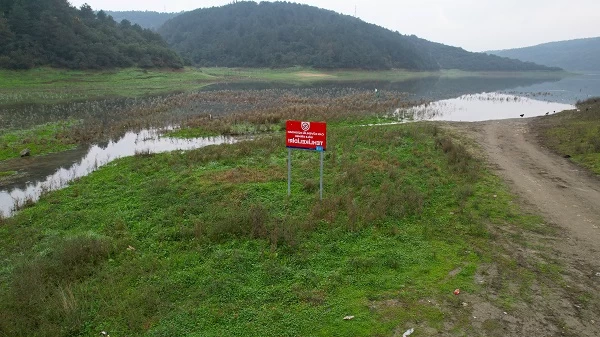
column 568, row 197
column 565, row 194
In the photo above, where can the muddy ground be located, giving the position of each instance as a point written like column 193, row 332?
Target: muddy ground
column 544, row 281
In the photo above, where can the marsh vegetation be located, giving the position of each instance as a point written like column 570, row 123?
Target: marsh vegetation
column 207, row 240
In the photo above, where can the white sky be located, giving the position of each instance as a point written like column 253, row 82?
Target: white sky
column 475, row 25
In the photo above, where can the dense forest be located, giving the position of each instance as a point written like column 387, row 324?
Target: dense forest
column 52, row 32
column 146, row 19
column 281, row 34
column 574, row 55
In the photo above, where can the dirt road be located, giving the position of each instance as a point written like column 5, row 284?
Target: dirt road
column 568, row 198
column 564, row 194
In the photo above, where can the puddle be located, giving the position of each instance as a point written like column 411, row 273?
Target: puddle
column 480, row 107
column 145, row 141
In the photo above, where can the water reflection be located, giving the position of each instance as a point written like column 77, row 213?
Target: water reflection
column 568, row 90
column 145, row 141
column 427, row 88
column 549, row 87
column 480, row 107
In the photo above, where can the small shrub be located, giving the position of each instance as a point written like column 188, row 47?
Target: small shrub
column 41, row 292
column 285, row 234
column 465, row 192
column 78, row 257
column 310, row 185
column 258, row 218
column 363, row 263
column 459, row 158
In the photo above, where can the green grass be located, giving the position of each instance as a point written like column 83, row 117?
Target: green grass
column 207, row 243
column 575, row 133
column 7, row 175
column 48, row 85
column 40, row 140
column 4, row 174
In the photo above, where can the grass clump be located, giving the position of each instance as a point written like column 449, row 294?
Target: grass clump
column 575, row 133
column 43, row 287
column 42, row 139
column 7, row 175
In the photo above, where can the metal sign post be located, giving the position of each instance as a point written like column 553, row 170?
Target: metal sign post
column 289, row 171
column 306, row 136
column 321, row 179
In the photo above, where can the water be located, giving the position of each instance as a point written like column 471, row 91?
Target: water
column 480, row 107
column 145, row 141
column 568, row 90
column 557, row 89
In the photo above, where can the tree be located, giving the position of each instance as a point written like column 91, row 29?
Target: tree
column 6, row 35
column 19, row 19
column 279, row 34
column 52, row 32
column 87, row 13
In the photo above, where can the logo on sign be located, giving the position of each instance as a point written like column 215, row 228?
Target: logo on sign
column 305, row 135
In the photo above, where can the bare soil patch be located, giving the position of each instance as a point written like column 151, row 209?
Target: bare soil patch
column 304, row 74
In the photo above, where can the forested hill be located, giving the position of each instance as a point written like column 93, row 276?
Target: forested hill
column 281, row 34
column 580, row 54
column 146, row 19
column 52, row 32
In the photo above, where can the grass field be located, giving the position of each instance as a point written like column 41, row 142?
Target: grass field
column 575, row 133
column 207, row 243
column 47, row 85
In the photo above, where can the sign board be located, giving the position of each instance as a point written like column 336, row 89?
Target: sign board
column 306, row 135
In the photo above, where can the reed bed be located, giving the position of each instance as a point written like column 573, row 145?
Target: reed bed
column 221, row 112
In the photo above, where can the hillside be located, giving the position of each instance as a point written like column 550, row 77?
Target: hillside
column 280, row 34
column 146, row 19
column 574, row 55
column 52, row 32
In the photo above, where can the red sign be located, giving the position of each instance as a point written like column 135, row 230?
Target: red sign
column 306, row 135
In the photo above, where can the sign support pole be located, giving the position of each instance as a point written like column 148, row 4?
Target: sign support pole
column 321, row 178
column 289, row 171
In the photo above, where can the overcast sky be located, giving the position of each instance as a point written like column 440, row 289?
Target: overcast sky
column 475, row 25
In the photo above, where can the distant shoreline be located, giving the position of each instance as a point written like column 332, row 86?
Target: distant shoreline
column 50, row 85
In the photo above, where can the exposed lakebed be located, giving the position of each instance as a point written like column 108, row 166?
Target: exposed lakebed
column 460, row 99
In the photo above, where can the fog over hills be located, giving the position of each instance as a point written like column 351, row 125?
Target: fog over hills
column 146, row 19
column 573, row 55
